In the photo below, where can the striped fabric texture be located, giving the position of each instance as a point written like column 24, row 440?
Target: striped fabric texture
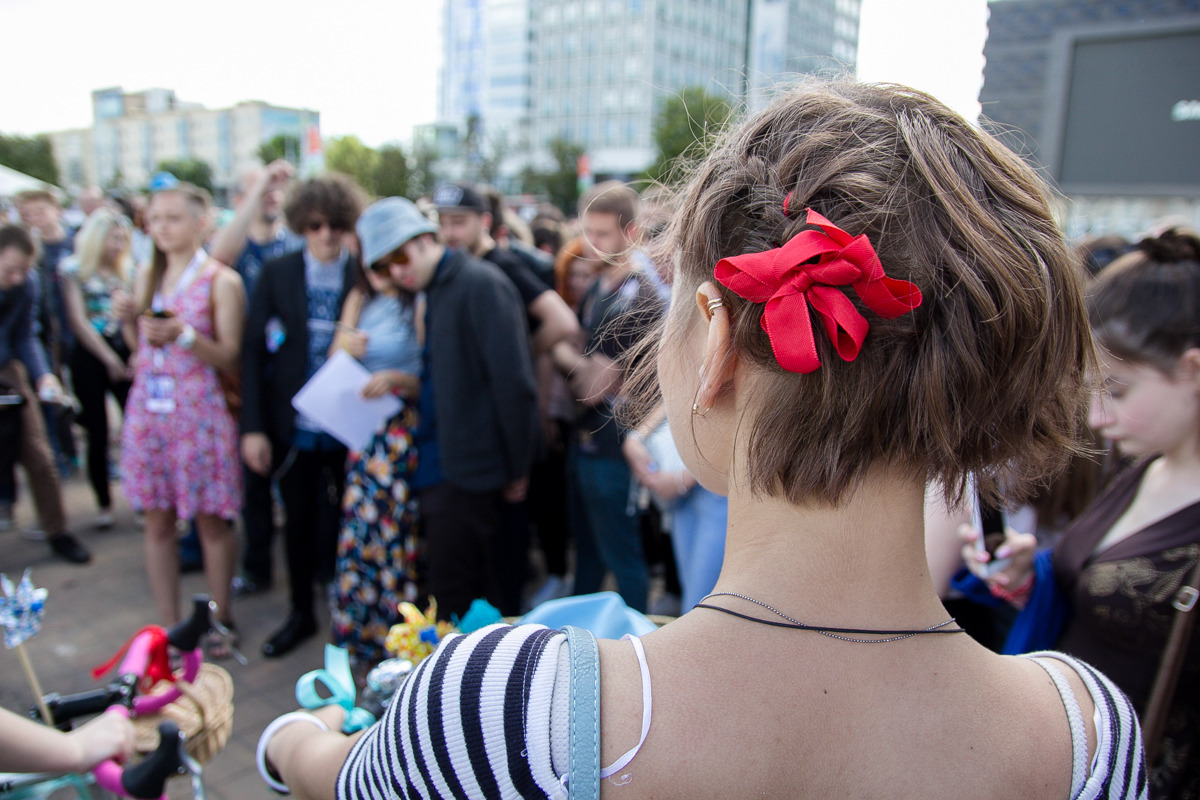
column 474, row 721
column 1118, row 769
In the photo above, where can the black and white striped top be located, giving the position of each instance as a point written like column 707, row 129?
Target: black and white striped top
column 487, row 716
column 1118, row 769
column 477, row 719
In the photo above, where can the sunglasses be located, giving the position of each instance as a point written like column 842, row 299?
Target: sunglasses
column 397, row 258
column 314, row 225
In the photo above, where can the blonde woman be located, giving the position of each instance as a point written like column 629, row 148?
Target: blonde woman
column 100, row 273
column 179, row 455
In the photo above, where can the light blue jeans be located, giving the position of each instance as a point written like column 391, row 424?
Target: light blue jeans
column 698, row 538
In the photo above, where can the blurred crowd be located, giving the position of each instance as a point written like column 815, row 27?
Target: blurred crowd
column 508, row 473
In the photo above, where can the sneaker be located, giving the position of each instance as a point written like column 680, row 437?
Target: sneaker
column 6, row 517
column 104, row 520
column 68, row 548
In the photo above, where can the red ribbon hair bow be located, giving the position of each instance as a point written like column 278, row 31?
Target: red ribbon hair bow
column 807, row 271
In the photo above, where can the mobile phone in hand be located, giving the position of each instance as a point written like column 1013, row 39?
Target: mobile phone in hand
column 989, row 521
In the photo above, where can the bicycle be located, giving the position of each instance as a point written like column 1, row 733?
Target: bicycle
column 141, row 661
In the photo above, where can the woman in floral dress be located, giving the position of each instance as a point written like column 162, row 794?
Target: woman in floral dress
column 179, row 446
column 378, row 548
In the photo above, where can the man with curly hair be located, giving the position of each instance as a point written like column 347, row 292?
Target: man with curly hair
column 289, row 328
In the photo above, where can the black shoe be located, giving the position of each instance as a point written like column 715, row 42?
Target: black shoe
column 68, row 548
column 297, row 628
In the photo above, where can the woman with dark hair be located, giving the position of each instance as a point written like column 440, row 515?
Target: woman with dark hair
column 378, row 549
column 179, row 445
column 1105, row 593
column 869, row 293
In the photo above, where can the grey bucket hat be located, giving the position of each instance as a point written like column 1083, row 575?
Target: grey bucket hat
column 387, row 224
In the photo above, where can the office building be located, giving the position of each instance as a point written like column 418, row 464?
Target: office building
column 132, row 132
column 520, row 73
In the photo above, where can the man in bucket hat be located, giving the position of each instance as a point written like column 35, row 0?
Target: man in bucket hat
column 478, row 431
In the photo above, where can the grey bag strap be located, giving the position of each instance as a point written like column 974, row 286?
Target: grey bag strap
column 583, row 765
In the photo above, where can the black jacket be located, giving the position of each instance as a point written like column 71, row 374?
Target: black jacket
column 481, row 367
column 271, row 380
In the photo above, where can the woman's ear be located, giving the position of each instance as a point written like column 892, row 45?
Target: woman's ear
column 1189, row 366
column 719, row 361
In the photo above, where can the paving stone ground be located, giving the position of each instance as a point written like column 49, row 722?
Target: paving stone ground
column 91, row 610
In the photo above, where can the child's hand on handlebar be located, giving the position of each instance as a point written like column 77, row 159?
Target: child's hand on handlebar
column 106, row 736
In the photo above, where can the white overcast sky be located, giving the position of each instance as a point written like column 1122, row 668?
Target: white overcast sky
column 368, row 66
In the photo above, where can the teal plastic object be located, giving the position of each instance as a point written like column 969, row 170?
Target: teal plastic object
column 338, row 681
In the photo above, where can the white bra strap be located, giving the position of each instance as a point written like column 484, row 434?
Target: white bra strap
column 647, row 705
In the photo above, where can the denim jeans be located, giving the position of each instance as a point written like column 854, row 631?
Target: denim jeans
column 698, row 537
column 607, row 535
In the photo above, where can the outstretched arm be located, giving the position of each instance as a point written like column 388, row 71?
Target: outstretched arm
column 28, row 746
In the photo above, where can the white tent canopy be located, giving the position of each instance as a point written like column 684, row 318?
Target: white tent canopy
column 13, row 182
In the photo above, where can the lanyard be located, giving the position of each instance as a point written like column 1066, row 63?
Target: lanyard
column 189, row 274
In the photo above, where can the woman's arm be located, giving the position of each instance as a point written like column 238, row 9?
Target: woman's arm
column 308, row 759
column 86, row 334
column 348, row 337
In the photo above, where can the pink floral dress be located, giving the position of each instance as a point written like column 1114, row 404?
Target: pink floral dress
column 183, row 458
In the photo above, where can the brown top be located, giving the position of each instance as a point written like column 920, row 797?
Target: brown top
column 1122, row 613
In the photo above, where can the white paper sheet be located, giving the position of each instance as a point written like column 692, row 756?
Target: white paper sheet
column 333, row 399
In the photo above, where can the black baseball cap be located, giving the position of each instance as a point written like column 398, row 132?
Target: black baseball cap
column 459, row 197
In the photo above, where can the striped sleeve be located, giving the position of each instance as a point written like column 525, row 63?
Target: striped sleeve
column 1119, row 766
column 473, row 721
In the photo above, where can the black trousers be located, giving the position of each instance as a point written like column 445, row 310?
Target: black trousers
column 92, row 387
column 461, row 529
column 259, row 526
column 311, row 485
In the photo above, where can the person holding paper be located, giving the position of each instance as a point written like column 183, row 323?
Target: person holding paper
column 479, row 428
column 289, row 329
column 378, row 549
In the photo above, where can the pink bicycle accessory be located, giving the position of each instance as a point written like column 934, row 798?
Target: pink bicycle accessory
column 808, row 270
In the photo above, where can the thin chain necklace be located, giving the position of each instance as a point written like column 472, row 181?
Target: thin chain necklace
column 824, row 630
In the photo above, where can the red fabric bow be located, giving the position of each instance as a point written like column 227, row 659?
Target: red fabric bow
column 158, row 665
column 807, row 270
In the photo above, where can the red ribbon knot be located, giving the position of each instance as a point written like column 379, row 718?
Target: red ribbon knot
column 806, row 271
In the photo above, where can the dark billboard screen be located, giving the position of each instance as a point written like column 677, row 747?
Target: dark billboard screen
column 1130, row 118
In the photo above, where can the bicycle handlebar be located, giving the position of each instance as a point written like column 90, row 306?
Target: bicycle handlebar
column 146, row 780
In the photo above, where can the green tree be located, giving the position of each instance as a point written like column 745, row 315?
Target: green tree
column 424, row 177
column 31, row 155
column 192, row 170
column 392, row 173
column 349, row 155
column 561, row 183
column 686, row 126
column 281, row 145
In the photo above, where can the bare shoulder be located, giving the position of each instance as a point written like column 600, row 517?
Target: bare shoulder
column 227, row 282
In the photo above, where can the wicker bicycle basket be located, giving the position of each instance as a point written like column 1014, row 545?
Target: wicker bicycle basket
column 204, row 714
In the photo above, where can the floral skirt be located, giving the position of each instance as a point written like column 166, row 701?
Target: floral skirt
column 379, row 553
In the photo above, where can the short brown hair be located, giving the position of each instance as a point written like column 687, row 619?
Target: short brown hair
column 334, row 196
column 37, row 196
column 18, row 237
column 611, row 197
column 1145, row 306
column 988, row 375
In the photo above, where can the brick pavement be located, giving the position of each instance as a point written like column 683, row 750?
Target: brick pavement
column 91, row 610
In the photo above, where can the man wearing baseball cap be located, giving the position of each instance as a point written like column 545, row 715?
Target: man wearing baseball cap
column 478, row 431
